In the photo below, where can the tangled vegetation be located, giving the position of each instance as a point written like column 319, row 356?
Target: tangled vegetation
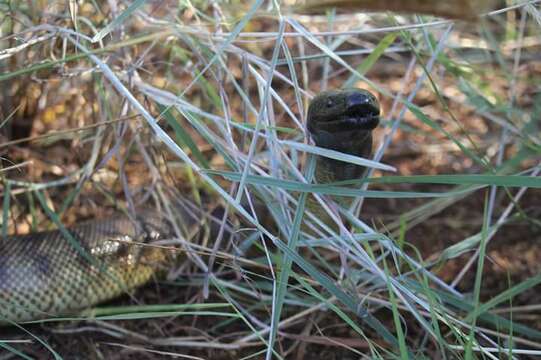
column 110, row 105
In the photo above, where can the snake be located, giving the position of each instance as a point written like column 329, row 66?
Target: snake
column 61, row 272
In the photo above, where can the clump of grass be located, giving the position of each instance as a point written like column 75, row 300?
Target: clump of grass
column 220, row 91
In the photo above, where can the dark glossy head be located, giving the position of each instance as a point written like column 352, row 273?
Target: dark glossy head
column 337, row 118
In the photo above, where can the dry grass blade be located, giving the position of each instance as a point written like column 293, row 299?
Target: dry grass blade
column 458, row 9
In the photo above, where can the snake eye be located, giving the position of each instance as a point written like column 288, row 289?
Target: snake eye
column 330, row 103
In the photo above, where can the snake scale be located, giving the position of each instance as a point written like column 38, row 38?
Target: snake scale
column 50, row 274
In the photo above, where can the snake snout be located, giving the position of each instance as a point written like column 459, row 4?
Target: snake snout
column 364, row 109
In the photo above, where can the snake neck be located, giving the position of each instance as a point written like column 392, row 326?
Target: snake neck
column 331, row 170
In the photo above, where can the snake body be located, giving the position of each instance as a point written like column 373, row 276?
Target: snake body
column 45, row 274
column 51, row 274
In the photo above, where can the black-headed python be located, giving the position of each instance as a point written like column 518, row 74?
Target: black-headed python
column 51, row 274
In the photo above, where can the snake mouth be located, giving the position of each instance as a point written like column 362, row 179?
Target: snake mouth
column 363, row 116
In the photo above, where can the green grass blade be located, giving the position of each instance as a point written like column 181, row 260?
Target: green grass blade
column 332, row 190
column 504, row 296
column 351, row 302
column 478, row 278
column 336, row 155
column 5, row 208
column 285, row 268
column 371, row 59
column 426, row 120
column 497, row 180
column 117, row 21
column 182, row 136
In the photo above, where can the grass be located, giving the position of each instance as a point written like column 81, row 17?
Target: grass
column 211, row 100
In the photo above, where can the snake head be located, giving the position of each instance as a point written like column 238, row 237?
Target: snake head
column 343, row 120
